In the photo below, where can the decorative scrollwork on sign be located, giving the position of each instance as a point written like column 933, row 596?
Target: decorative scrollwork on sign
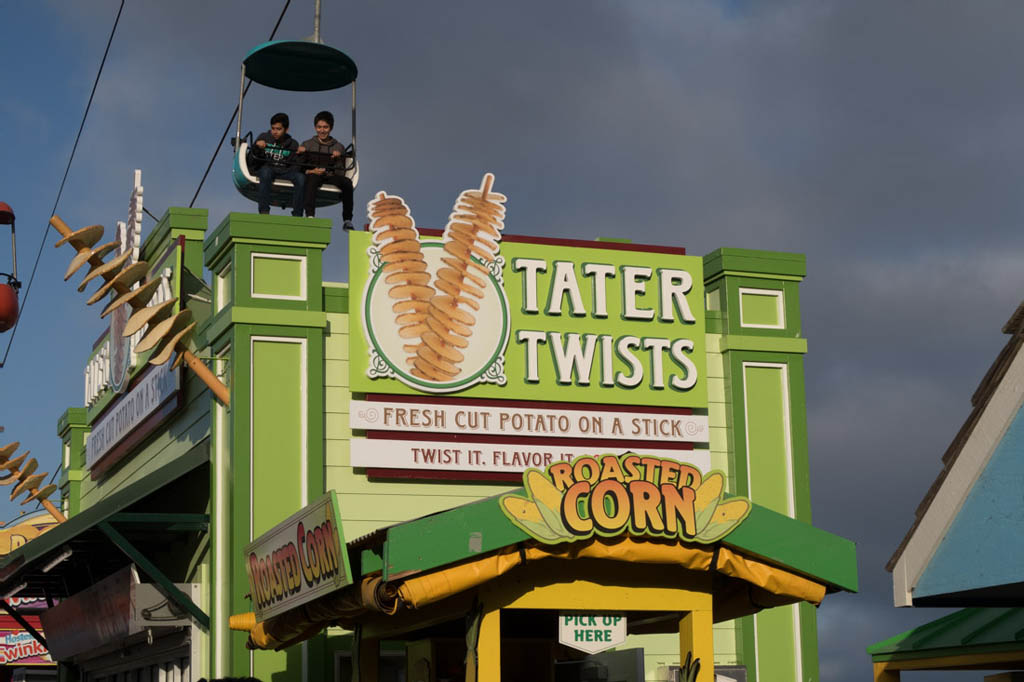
column 495, row 267
column 495, row 374
column 375, row 259
column 378, row 369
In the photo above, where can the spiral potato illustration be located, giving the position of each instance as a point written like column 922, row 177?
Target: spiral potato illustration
column 473, row 230
column 403, row 265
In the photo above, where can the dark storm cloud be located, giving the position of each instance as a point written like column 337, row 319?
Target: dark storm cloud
column 881, row 139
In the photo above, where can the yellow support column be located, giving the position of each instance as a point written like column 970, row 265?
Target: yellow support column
column 884, row 674
column 488, row 647
column 695, row 638
column 369, row 659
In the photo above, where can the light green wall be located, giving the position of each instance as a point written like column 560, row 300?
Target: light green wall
column 367, row 505
column 768, row 438
column 274, row 276
column 278, row 416
column 761, row 309
column 777, row 656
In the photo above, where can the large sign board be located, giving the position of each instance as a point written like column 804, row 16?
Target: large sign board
column 157, row 387
column 147, row 395
column 490, row 353
column 634, row 494
column 110, row 371
column 298, row 560
column 568, row 323
column 25, row 529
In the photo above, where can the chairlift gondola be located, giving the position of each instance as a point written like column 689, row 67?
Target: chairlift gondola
column 9, row 289
column 296, row 66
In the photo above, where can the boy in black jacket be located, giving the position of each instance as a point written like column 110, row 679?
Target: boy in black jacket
column 327, row 158
column 279, row 151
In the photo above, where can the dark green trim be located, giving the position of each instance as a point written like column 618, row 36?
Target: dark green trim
column 799, row 546
column 809, row 642
column 754, row 261
column 220, row 322
column 370, row 561
column 72, row 417
column 25, row 555
column 71, row 429
column 175, row 522
column 177, row 222
column 748, row 638
column 150, row 569
column 764, row 344
column 274, row 230
column 336, row 298
column 798, row 424
column 730, row 302
column 966, row 632
column 443, row 538
column 713, row 322
column 950, row 652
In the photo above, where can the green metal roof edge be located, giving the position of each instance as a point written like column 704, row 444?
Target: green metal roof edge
column 101, row 511
column 800, row 546
column 945, row 636
column 480, row 527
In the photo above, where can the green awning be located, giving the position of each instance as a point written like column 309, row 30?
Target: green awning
column 142, row 515
column 469, row 530
column 983, row 638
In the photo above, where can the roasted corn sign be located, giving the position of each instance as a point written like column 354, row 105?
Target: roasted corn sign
column 633, row 494
column 479, row 313
column 298, row 560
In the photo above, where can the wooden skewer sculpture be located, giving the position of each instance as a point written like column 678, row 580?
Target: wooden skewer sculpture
column 165, row 332
column 26, row 480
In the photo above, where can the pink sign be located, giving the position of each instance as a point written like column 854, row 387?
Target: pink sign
column 17, row 647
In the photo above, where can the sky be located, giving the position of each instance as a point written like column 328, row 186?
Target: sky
column 880, row 139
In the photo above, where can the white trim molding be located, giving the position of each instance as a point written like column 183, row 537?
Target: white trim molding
column 779, row 306
column 303, row 276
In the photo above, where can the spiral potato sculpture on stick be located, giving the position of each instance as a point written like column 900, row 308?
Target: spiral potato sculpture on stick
column 474, row 229
column 403, row 266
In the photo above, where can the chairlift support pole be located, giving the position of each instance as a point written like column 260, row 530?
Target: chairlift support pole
column 353, row 121
column 241, row 96
column 14, row 254
column 316, row 21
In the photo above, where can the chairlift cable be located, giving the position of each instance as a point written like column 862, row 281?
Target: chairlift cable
column 60, row 191
column 234, row 113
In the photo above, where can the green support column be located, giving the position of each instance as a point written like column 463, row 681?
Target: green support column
column 268, row 456
column 72, row 428
column 756, row 296
column 176, row 222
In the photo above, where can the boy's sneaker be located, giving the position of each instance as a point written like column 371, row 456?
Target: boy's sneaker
column 347, row 225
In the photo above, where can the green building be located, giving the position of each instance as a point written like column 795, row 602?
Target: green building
column 582, row 349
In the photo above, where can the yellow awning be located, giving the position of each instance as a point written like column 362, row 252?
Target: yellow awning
column 772, row 586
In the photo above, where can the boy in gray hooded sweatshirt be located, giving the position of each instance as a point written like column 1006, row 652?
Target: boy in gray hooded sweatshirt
column 325, row 164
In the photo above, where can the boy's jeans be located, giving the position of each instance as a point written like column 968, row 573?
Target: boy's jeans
column 268, row 174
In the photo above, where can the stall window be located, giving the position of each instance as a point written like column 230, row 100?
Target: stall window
column 391, row 666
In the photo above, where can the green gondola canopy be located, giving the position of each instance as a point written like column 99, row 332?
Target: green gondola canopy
column 299, row 65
